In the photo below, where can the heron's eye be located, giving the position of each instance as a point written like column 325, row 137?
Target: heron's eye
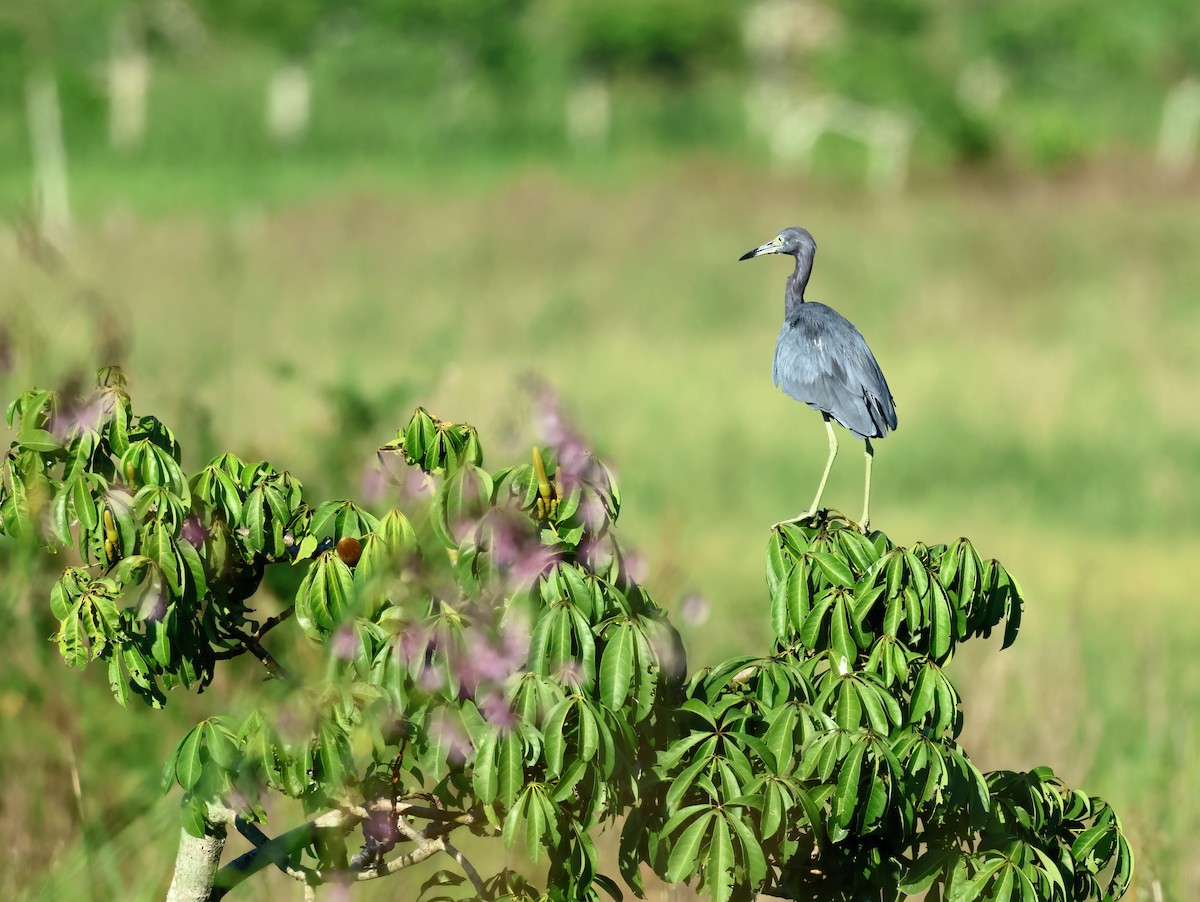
column 779, row 239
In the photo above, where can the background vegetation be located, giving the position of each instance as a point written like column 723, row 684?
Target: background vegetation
column 1039, row 331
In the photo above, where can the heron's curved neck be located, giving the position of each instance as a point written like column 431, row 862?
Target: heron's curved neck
column 796, row 283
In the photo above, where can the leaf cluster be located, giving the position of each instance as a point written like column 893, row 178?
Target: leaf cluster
column 485, row 659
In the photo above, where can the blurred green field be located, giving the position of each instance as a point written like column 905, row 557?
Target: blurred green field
column 1040, row 338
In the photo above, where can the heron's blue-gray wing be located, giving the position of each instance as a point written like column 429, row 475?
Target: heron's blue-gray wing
column 823, row 360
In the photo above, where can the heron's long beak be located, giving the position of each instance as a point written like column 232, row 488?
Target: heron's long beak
column 769, row 248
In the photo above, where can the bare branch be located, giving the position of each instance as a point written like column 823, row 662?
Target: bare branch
column 468, row 868
column 281, row 850
column 252, row 642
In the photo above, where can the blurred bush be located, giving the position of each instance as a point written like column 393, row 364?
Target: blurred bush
column 1036, row 82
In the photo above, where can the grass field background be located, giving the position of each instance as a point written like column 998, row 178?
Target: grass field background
column 1040, row 335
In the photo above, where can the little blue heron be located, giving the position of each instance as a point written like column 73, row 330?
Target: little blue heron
column 823, row 360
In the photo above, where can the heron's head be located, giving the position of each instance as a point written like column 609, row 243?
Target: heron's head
column 795, row 241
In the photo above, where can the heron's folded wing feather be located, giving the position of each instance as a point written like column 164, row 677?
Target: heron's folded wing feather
column 822, row 360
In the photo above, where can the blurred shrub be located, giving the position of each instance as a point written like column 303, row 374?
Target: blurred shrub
column 427, row 78
column 677, row 39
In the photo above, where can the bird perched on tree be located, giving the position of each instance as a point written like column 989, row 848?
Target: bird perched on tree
column 823, row 360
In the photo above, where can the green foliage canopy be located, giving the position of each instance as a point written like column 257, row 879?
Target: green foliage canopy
column 486, row 660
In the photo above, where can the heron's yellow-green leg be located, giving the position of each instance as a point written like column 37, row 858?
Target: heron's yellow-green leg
column 870, row 455
column 833, row 450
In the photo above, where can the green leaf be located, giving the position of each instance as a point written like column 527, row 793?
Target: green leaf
column 841, row 639
column 720, row 862
column 535, row 826
column 83, row 503
column 510, row 768
column 326, row 595
column 117, row 682
column 683, row 782
column 849, row 709
column 773, row 808
column 895, row 573
column 38, row 440
column 680, row 817
column 925, row 870
column 697, row 707
column 778, row 566
column 1087, row 840
column 781, row 736
column 194, row 817
column 834, row 569
column 616, row 668
column 484, row 777
column 189, row 767
column 923, row 694
column 846, row 796
column 752, row 853
column 1002, row 891
column 554, row 733
column 222, row 746
column 685, row 852
column 940, row 637
column 72, row 640
column 918, row 573
column 167, row 780
column 609, row 886
column 515, row 814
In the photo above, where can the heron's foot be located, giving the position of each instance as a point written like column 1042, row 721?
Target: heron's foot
column 864, row 526
column 807, row 515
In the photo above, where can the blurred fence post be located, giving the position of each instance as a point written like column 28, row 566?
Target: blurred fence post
column 1180, row 132
column 51, row 197
column 128, row 83
column 888, row 137
column 589, row 114
column 289, row 103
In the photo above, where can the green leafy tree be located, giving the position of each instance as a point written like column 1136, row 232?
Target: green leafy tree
column 478, row 657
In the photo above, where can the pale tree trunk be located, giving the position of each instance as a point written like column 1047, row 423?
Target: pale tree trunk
column 289, row 103
column 589, row 114
column 51, row 197
column 128, row 84
column 1180, row 133
column 196, row 864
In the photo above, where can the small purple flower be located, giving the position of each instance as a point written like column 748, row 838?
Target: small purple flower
column 636, row 567
column 447, row 730
column 417, row 485
column 374, row 483
column 381, row 827
column 154, row 606
column 570, row 675
column 193, row 532
column 7, row 354
column 498, row 712
column 668, row 653
column 87, row 416
column 694, row 609
column 344, row 643
column 430, row 680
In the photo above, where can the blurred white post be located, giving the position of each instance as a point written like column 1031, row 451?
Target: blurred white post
column 289, row 103
column 888, row 137
column 51, row 197
column 794, row 136
column 589, row 114
column 128, row 84
column 1180, row 133
column 777, row 34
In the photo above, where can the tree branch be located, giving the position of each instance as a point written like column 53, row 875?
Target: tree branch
column 252, row 642
column 281, row 850
column 199, row 857
column 468, row 868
